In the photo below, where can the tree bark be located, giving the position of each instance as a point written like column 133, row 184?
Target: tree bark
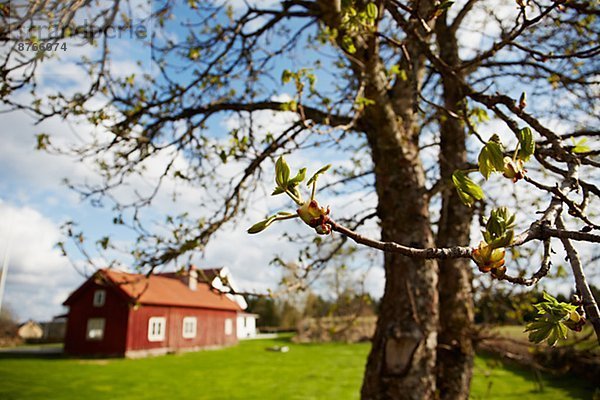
column 401, row 364
column 455, row 347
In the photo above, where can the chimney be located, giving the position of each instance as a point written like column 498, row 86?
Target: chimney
column 192, row 278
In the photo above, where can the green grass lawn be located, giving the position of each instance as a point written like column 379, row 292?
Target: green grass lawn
column 247, row 371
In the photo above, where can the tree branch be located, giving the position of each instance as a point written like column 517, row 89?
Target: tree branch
column 392, row 247
column 589, row 303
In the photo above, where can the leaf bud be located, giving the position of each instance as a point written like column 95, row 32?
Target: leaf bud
column 315, row 216
column 488, row 258
column 514, row 170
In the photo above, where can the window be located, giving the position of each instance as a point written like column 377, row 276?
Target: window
column 99, row 298
column 95, row 329
column 189, row 327
column 228, row 326
column 156, row 329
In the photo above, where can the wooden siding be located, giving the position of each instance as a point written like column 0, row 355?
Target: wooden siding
column 115, row 311
column 210, row 328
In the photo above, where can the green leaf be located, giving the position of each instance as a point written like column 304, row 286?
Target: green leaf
column 580, row 146
column 538, row 331
column 562, row 330
column 278, row 190
column 549, row 298
column 557, row 333
column 223, row 156
column 285, row 214
column 445, row 5
column 500, row 220
column 491, row 157
column 282, row 172
column 294, row 190
column 104, row 242
column 552, row 320
column 194, row 54
column 362, row 102
column 316, row 174
column 259, row 226
column 348, row 44
column 504, row 240
column 526, row 144
column 295, row 181
column 291, row 105
column 372, row 11
column 264, row 224
column 43, row 140
column 467, row 190
column 286, row 76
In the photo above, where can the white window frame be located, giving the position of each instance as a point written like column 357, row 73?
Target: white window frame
column 228, row 327
column 189, row 327
column 157, row 327
column 99, row 297
column 95, row 329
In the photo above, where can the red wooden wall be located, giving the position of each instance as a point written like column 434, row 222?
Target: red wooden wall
column 115, row 311
column 210, row 327
column 126, row 327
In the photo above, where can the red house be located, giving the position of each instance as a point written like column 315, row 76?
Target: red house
column 116, row 313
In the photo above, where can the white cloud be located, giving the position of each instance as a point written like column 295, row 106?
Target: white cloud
column 239, row 5
column 39, row 279
column 24, row 167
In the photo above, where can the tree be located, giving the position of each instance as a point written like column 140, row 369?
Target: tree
column 398, row 80
column 8, row 324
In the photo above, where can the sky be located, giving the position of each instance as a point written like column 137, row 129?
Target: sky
column 35, row 202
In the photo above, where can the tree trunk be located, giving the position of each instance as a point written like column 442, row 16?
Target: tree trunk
column 455, row 348
column 401, row 364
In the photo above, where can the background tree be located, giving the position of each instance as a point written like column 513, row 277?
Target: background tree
column 8, row 326
column 400, row 81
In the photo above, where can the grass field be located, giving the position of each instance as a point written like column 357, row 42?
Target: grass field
column 247, row 371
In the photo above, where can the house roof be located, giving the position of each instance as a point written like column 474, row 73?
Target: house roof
column 163, row 290
column 217, row 278
column 206, row 275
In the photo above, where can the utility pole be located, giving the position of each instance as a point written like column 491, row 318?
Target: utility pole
column 4, row 273
column 5, row 267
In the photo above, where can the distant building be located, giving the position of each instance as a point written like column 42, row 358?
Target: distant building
column 54, row 331
column 117, row 313
column 30, row 330
column 246, row 325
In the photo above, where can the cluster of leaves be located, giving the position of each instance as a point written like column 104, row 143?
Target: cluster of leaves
column 553, row 320
column 499, row 228
column 492, row 159
column 498, row 234
column 300, row 78
column 309, row 211
column 355, row 19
